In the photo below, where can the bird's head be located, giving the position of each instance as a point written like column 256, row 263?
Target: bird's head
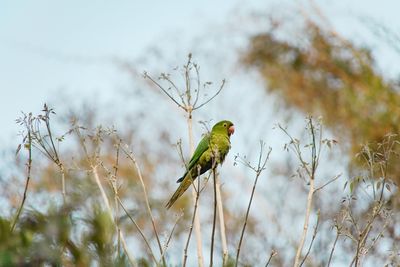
column 224, row 126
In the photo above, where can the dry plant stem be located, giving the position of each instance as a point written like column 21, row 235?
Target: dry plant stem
column 221, row 223
column 28, row 178
column 108, row 207
column 62, row 170
column 164, row 90
column 333, row 247
column 130, row 155
column 245, row 223
column 363, row 235
column 214, row 218
column 273, row 253
column 258, row 170
column 312, row 239
column 172, row 232
column 196, row 201
column 195, row 197
column 310, row 194
column 119, row 203
column 56, row 157
column 116, row 195
column 140, row 232
column 306, row 221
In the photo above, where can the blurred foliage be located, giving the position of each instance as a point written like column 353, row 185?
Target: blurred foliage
column 322, row 73
column 48, row 239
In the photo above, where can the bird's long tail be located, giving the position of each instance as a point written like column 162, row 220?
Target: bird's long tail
column 187, row 181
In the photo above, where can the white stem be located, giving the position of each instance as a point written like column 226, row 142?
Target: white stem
column 221, row 222
column 197, row 228
column 306, row 221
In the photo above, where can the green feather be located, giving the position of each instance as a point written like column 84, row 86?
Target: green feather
column 211, row 150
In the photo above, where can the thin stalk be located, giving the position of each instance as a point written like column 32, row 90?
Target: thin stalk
column 55, row 157
column 28, row 178
column 312, row 239
column 108, row 207
column 62, row 170
column 246, row 219
column 333, row 247
column 130, row 155
column 196, row 215
column 306, row 222
column 273, row 253
column 258, row 170
column 172, row 232
column 116, row 196
column 185, row 255
column 214, row 218
column 140, row 232
column 311, row 190
column 221, row 222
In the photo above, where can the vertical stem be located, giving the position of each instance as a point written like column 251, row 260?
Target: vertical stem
column 214, row 218
column 311, row 191
column 191, row 226
column 108, row 207
column 221, row 222
column 306, row 221
column 146, row 198
column 28, row 177
column 246, row 217
column 357, row 251
column 117, row 224
column 116, row 196
column 333, row 249
column 62, row 170
column 197, row 228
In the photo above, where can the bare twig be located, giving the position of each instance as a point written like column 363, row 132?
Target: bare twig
column 273, row 253
column 164, row 90
column 214, row 217
column 334, row 244
column 116, row 195
column 28, row 177
column 221, row 222
column 179, row 216
column 211, row 98
column 311, row 174
column 139, row 230
column 312, row 239
column 197, row 192
column 327, row 183
column 258, row 170
column 43, row 140
column 132, row 158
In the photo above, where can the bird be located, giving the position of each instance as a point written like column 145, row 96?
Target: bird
column 211, row 151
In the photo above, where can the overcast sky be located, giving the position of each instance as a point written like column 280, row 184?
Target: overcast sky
column 49, row 45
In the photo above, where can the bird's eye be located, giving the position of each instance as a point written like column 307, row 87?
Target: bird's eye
column 224, row 124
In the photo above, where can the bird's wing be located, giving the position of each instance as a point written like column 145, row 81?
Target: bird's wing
column 200, row 149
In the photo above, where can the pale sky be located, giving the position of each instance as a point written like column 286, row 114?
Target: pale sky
column 49, row 45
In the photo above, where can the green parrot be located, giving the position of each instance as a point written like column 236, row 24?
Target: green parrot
column 211, row 150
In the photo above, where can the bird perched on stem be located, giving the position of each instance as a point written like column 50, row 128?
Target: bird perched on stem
column 210, row 152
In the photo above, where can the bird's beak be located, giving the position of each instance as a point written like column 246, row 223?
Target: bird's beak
column 231, row 130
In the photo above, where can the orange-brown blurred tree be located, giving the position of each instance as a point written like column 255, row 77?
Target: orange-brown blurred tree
column 330, row 76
